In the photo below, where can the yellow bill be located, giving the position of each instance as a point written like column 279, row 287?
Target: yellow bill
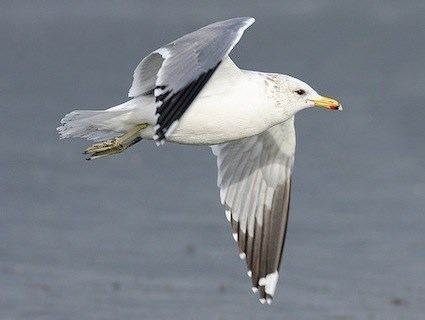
column 328, row 103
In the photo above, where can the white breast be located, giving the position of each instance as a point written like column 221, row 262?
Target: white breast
column 232, row 105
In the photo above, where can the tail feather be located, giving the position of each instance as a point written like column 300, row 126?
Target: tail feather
column 90, row 124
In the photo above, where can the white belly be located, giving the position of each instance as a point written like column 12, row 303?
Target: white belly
column 231, row 106
column 213, row 120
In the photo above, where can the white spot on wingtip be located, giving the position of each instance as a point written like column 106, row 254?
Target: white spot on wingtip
column 235, row 236
column 222, row 194
column 263, row 301
column 227, row 212
column 157, row 92
column 254, row 289
column 249, row 273
column 242, row 255
column 269, row 300
column 270, row 282
column 159, row 142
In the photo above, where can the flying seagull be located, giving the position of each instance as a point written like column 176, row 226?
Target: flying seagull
column 190, row 92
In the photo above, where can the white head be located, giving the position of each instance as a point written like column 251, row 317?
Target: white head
column 293, row 95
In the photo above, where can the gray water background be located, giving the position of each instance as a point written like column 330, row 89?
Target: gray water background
column 142, row 235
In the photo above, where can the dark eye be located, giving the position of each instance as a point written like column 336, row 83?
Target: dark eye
column 300, row 92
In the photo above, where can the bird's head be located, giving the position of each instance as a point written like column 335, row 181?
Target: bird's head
column 295, row 95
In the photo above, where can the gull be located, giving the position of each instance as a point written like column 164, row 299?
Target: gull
column 191, row 92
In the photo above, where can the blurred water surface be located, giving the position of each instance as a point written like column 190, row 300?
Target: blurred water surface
column 142, row 235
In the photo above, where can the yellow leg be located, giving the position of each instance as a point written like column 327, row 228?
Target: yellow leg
column 115, row 145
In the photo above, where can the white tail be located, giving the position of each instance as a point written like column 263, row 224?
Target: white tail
column 91, row 124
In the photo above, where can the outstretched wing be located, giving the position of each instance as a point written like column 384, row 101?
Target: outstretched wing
column 254, row 177
column 177, row 72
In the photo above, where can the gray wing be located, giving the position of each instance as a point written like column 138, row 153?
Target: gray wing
column 177, row 72
column 254, row 177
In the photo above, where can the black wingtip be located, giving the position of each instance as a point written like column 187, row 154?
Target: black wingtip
column 173, row 105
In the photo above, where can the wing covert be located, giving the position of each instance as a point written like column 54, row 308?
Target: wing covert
column 177, row 72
